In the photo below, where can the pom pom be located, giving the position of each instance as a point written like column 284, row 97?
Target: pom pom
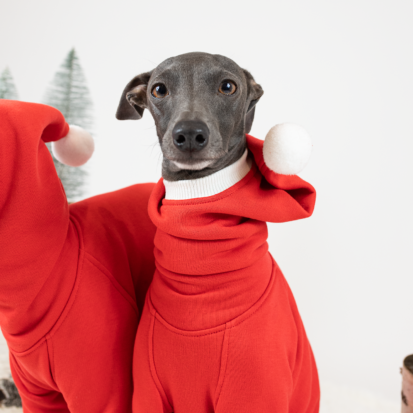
column 287, row 149
column 76, row 148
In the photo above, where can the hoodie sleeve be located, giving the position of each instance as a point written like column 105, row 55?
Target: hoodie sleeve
column 282, row 198
column 34, row 215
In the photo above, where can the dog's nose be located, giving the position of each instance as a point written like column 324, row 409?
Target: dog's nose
column 190, row 135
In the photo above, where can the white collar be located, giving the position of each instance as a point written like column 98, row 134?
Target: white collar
column 208, row 185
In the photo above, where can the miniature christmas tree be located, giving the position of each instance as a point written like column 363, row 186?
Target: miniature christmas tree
column 7, row 88
column 69, row 93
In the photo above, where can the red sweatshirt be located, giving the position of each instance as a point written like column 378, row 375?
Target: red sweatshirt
column 72, row 280
column 220, row 330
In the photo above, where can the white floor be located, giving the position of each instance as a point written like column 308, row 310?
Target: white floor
column 334, row 399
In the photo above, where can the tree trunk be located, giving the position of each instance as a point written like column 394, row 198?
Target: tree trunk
column 407, row 385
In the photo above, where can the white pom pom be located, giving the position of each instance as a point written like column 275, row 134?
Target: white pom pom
column 76, row 148
column 287, row 149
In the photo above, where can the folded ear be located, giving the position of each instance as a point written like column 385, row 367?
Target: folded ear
column 254, row 91
column 254, row 94
column 133, row 100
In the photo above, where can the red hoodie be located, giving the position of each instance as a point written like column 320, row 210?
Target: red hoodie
column 72, row 280
column 220, row 330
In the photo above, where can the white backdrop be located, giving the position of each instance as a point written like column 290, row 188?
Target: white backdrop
column 343, row 70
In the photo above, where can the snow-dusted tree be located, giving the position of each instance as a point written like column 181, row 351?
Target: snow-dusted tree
column 7, row 88
column 68, row 93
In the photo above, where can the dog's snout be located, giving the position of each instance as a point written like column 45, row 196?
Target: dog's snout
column 190, row 135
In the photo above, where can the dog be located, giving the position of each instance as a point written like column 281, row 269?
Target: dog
column 220, row 331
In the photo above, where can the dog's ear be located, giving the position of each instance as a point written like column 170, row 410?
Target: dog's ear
column 133, row 101
column 254, row 91
column 254, row 94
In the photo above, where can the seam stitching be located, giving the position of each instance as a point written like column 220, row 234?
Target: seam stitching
column 118, row 288
column 152, row 366
column 77, row 283
column 107, row 270
column 30, row 350
column 223, row 373
column 189, row 335
column 50, row 352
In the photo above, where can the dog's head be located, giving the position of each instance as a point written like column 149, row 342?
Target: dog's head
column 202, row 104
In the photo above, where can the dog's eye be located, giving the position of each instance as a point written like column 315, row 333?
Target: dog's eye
column 227, row 87
column 160, row 91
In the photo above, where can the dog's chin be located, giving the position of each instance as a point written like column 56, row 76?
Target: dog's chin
column 197, row 166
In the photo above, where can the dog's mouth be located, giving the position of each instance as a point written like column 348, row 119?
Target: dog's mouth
column 195, row 165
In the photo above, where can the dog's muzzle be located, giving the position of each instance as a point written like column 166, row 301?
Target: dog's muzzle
column 190, row 135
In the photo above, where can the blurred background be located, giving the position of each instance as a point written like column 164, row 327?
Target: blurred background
column 343, row 70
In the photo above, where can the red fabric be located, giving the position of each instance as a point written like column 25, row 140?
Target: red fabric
column 220, row 331
column 72, row 279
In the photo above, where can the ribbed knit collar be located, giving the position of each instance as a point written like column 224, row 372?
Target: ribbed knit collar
column 209, row 185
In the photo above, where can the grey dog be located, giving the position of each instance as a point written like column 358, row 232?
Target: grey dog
column 202, row 104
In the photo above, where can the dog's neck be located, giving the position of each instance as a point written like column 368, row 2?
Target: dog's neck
column 209, row 185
